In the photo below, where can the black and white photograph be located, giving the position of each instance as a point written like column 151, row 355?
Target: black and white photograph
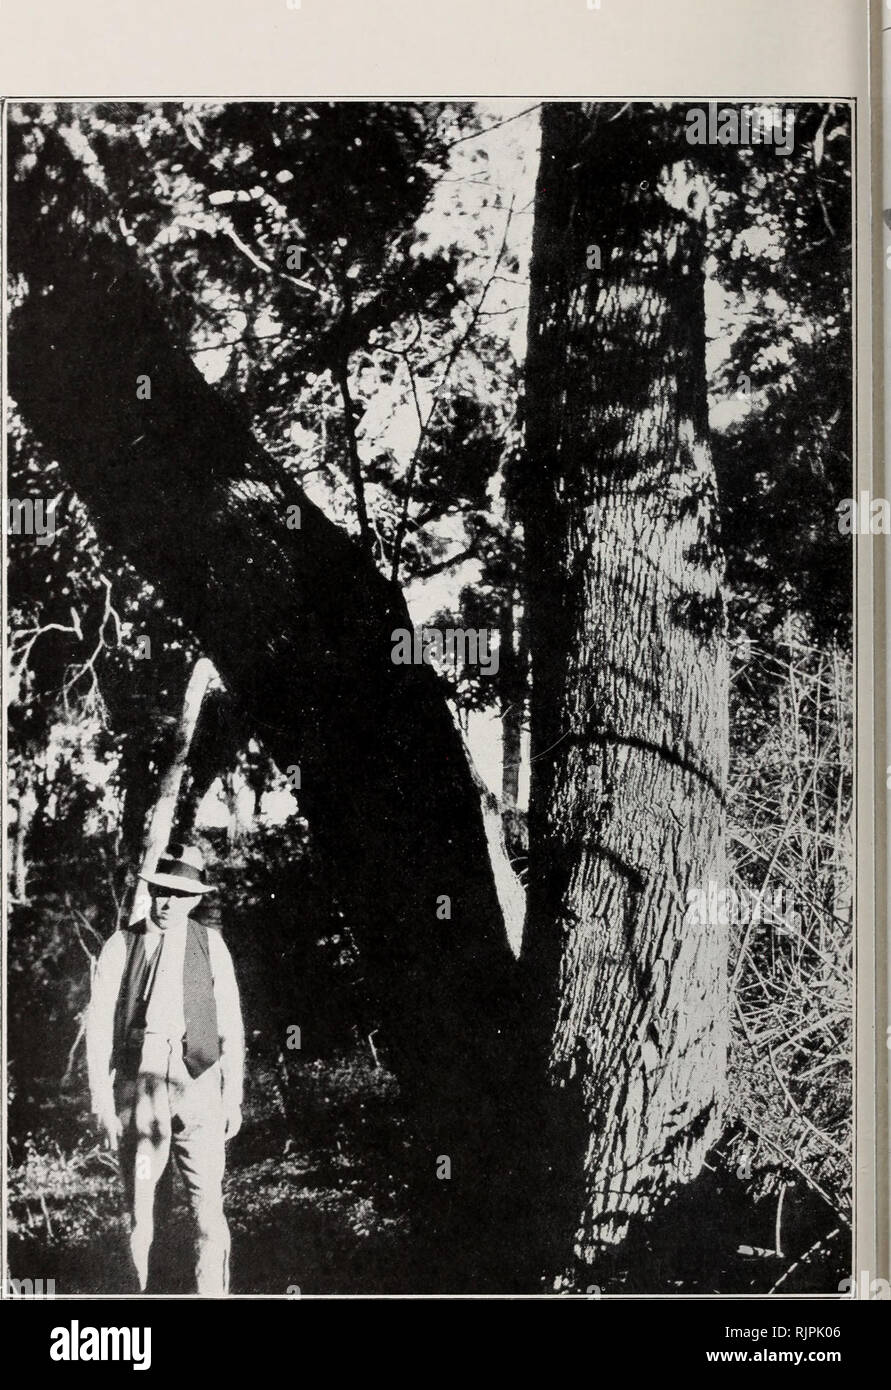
column 430, row 694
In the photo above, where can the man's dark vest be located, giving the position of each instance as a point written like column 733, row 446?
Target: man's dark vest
column 201, row 1043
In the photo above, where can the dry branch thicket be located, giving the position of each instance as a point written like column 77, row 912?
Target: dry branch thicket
column 791, row 841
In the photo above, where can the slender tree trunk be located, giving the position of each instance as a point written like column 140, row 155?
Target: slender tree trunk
column 160, row 825
column 255, row 775
column 629, row 736
column 26, row 807
column 299, row 624
column 512, row 681
column 240, row 824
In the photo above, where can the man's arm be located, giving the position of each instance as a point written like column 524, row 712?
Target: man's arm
column 231, row 1030
column 100, row 1029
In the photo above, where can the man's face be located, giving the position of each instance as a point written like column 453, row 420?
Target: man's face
column 170, row 907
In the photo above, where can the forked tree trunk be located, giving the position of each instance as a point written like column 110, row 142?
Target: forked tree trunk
column 629, row 733
column 298, row 622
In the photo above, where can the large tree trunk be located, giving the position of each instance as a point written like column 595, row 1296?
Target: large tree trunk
column 629, row 737
column 298, row 622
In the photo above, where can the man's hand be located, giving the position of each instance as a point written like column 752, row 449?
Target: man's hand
column 107, row 1116
column 231, row 1119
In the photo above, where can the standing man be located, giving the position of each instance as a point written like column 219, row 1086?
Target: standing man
column 165, row 1056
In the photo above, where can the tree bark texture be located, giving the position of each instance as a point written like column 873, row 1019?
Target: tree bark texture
column 629, row 699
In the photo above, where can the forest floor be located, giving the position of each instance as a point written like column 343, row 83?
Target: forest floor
column 309, row 1208
column 314, row 1208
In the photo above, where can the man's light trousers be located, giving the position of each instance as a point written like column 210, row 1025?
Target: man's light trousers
column 164, row 1109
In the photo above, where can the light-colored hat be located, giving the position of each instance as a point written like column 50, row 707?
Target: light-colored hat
column 180, row 867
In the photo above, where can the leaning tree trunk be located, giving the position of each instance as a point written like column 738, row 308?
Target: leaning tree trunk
column 629, row 735
column 298, row 622
column 159, row 830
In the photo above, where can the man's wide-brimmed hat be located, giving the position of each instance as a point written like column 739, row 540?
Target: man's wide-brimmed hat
column 180, row 867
